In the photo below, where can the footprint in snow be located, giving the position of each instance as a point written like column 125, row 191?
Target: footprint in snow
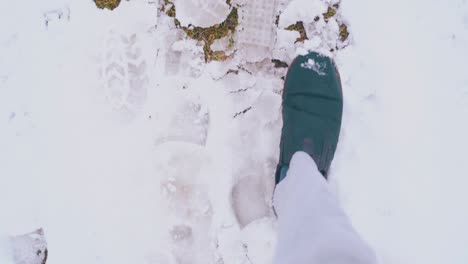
column 183, row 187
column 124, row 74
column 189, row 121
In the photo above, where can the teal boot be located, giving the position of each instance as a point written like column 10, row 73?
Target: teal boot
column 312, row 111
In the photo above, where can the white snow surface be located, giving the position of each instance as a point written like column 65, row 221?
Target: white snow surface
column 201, row 13
column 302, row 10
column 121, row 143
column 6, row 252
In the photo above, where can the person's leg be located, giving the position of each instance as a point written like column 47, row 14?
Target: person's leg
column 312, row 228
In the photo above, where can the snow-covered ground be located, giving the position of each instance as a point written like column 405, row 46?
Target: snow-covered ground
column 121, row 143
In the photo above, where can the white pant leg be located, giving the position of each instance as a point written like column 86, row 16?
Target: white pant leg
column 312, row 228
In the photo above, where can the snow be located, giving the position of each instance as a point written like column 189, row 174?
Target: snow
column 201, row 13
column 406, row 104
column 311, row 64
column 301, row 10
column 29, row 248
column 6, row 255
column 120, row 142
column 256, row 31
